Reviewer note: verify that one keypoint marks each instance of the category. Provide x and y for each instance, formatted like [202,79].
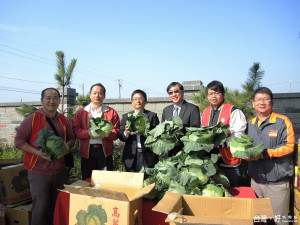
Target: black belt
[139,150]
[95,145]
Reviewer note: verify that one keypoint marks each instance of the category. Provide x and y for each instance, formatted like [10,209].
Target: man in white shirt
[96,153]
[220,111]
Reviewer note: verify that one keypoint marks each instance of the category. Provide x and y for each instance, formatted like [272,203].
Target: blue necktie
[175,111]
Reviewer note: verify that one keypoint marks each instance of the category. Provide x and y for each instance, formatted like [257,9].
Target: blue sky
[147,44]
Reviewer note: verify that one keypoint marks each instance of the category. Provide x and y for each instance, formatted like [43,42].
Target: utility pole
[82,89]
[290,86]
[119,82]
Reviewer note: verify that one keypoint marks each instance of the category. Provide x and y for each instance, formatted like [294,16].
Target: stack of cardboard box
[15,193]
[297,185]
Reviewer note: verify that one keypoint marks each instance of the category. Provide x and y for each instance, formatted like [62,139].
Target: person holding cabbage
[133,131]
[272,170]
[45,137]
[96,126]
[221,111]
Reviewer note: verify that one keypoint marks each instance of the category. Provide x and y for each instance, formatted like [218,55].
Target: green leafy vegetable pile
[138,123]
[100,127]
[243,147]
[95,215]
[48,142]
[193,170]
[204,138]
[194,174]
[164,136]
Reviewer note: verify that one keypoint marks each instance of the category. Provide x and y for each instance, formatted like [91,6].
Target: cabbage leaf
[100,128]
[242,147]
[204,138]
[138,123]
[52,145]
[165,136]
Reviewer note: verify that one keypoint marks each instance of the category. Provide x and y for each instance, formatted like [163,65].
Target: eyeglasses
[262,100]
[214,94]
[173,92]
[48,98]
[137,99]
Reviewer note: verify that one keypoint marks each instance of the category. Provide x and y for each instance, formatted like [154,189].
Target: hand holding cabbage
[138,123]
[243,147]
[100,128]
[52,145]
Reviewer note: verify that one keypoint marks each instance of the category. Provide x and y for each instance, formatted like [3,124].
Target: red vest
[38,123]
[224,116]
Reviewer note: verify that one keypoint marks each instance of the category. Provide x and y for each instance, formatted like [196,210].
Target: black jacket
[130,147]
[189,114]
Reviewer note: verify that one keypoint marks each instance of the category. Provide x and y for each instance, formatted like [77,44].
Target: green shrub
[9,152]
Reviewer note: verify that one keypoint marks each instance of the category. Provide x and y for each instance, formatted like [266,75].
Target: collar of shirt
[179,106]
[219,107]
[93,111]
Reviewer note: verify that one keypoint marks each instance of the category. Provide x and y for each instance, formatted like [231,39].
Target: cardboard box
[296,172]
[297,198]
[117,201]
[214,210]
[19,215]
[297,152]
[2,214]
[296,217]
[14,184]
[8,162]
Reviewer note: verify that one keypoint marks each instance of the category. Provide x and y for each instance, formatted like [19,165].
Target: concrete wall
[289,104]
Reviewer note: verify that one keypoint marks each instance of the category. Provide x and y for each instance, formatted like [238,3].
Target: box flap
[12,166]
[207,220]
[100,193]
[143,191]
[262,206]
[117,178]
[6,162]
[81,183]
[169,203]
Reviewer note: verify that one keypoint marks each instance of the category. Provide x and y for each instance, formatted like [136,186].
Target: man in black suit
[135,154]
[189,113]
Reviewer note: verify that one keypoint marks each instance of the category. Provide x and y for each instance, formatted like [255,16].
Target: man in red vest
[220,111]
[45,176]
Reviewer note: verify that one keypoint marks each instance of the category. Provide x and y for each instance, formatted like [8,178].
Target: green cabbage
[204,138]
[48,142]
[243,147]
[211,190]
[138,123]
[100,128]
[164,136]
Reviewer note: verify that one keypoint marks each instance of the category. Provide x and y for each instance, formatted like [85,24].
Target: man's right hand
[127,130]
[43,155]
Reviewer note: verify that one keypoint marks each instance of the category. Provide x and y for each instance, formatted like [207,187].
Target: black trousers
[96,161]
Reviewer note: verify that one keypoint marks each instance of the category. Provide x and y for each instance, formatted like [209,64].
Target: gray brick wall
[289,104]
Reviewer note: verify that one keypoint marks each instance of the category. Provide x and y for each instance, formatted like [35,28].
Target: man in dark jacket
[187,112]
[271,171]
[135,154]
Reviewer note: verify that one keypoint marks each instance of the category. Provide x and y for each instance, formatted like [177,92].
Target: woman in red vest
[220,111]
[45,176]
